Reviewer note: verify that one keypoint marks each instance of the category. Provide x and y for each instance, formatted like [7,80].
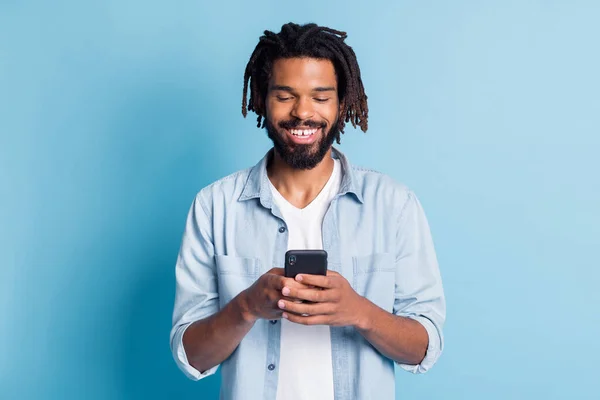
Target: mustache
[292,124]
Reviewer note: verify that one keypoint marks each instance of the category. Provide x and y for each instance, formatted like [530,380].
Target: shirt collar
[257,184]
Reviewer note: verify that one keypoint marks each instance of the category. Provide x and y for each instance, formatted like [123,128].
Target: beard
[301,156]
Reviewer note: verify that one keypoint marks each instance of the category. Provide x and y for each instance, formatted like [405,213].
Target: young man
[313,337]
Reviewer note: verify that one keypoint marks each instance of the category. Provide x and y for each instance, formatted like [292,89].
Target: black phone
[313,262]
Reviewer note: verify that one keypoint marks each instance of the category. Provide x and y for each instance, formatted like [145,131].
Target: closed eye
[322,100]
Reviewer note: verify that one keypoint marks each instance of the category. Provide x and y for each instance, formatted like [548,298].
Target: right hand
[260,300]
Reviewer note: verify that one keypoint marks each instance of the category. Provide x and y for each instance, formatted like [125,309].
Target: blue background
[114,114]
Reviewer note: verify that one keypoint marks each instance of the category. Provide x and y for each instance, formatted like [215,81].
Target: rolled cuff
[434,348]
[181,358]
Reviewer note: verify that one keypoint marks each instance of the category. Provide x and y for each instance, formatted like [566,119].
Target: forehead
[303,73]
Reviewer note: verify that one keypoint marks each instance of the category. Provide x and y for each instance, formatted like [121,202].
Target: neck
[299,186]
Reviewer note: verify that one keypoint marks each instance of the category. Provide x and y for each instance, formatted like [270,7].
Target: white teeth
[303,132]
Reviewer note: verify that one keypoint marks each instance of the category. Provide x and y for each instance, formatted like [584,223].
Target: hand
[333,301]
[259,301]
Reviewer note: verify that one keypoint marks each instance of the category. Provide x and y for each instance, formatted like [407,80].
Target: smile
[303,135]
[303,132]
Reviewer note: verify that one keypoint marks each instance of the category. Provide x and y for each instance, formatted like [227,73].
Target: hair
[310,41]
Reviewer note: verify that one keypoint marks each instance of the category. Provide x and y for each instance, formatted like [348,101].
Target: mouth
[303,135]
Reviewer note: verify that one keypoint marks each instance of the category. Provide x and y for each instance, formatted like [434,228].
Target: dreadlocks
[312,41]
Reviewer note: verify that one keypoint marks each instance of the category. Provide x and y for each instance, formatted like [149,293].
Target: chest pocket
[374,278]
[235,274]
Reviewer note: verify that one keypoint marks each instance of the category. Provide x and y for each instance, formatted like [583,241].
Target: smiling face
[302,110]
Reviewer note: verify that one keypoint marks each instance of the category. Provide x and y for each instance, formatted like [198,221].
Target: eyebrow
[291,90]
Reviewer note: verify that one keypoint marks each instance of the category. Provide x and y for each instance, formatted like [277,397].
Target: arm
[196,292]
[419,295]
[401,339]
[211,341]
[203,335]
[412,334]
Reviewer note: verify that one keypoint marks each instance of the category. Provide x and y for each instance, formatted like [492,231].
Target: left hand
[332,301]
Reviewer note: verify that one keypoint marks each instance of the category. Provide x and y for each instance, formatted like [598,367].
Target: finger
[294,283]
[305,308]
[315,295]
[278,282]
[325,282]
[310,320]
[291,283]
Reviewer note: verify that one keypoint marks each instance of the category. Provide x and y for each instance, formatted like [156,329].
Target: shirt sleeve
[419,293]
[196,293]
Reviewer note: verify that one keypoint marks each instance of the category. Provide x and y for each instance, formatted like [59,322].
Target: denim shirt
[376,235]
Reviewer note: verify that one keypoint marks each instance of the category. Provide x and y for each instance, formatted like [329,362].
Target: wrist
[243,308]
[364,316]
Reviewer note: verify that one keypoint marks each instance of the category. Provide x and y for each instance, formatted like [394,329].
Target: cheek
[330,113]
[277,111]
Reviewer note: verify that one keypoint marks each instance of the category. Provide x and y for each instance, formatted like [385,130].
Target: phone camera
[292,260]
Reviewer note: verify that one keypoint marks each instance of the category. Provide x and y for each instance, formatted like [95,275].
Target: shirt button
[282,229]
[271,367]
[273,321]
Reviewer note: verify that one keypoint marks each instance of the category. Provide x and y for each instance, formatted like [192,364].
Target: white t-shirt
[305,362]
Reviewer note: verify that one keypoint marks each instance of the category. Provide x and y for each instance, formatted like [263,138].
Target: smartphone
[313,262]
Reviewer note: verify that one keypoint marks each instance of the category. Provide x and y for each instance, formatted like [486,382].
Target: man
[313,337]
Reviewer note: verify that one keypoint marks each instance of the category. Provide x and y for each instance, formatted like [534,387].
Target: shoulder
[226,188]
[375,184]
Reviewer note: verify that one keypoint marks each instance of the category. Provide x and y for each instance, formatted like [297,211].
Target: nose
[303,109]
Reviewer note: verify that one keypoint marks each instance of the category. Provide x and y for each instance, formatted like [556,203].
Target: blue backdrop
[114,114]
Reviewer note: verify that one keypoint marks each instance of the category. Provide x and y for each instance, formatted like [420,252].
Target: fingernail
[281,304]
[284,315]
[285,291]
[299,278]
